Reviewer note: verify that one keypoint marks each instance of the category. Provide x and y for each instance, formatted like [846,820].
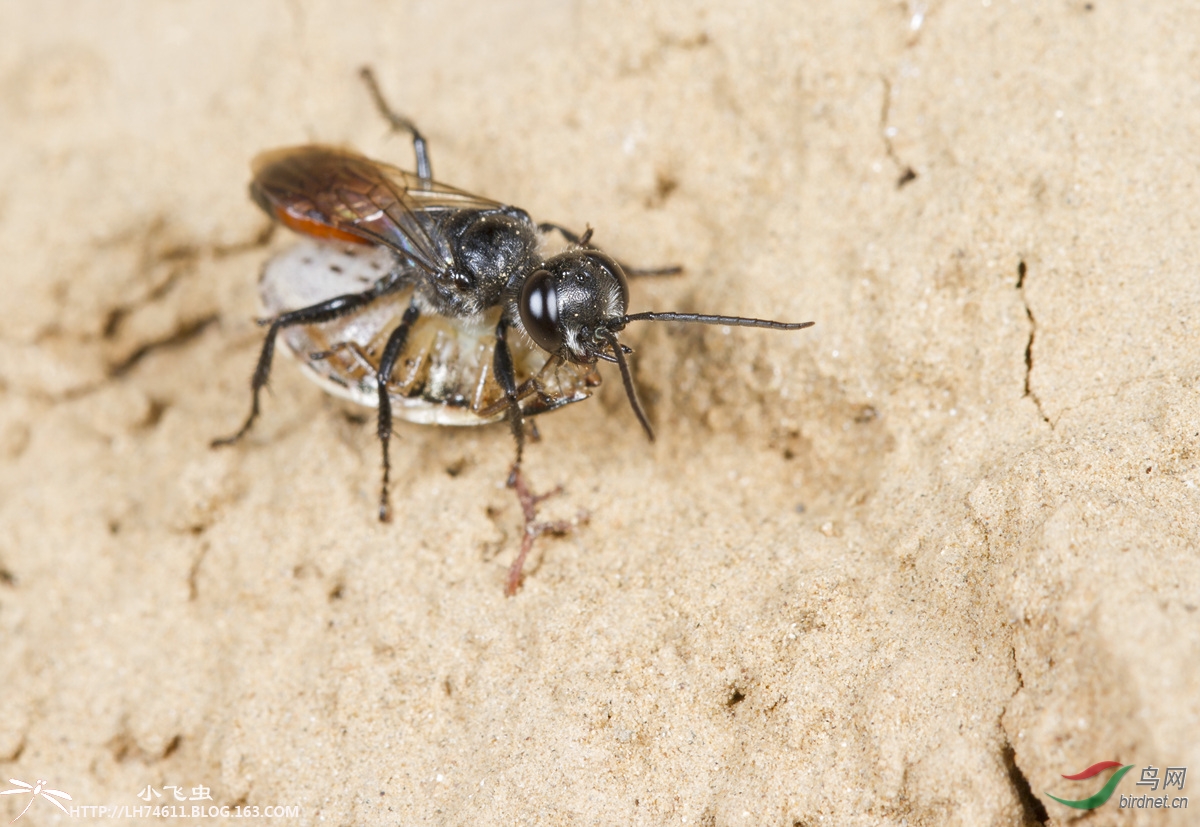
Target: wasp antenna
[619,354]
[610,358]
[733,321]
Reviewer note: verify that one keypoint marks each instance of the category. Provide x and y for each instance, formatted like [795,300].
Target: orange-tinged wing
[336,194]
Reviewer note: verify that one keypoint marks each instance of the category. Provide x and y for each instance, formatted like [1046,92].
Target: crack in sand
[180,336]
[1033,811]
[907,173]
[1021,270]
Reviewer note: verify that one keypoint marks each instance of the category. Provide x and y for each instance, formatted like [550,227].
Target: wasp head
[573,305]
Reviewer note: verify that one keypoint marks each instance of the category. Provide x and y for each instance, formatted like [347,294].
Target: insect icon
[438,306]
[33,791]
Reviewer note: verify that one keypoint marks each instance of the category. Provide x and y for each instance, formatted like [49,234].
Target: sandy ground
[907,567]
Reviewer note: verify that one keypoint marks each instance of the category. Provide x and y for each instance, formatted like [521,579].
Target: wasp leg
[323,312]
[391,352]
[569,235]
[524,391]
[502,366]
[582,241]
[400,124]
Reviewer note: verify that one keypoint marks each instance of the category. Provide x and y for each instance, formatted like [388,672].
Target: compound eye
[539,310]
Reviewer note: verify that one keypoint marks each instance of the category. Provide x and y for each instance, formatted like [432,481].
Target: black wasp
[436,305]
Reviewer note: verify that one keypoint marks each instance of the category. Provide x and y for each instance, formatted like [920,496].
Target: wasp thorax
[569,299]
[491,247]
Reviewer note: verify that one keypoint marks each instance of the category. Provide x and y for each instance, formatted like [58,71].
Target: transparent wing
[333,193]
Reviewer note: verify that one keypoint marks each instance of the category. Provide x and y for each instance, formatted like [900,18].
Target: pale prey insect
[436,305]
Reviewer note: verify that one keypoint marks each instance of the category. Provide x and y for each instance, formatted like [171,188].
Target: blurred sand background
[907,567]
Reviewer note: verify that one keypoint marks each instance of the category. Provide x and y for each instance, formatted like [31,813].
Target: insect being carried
[436,305]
